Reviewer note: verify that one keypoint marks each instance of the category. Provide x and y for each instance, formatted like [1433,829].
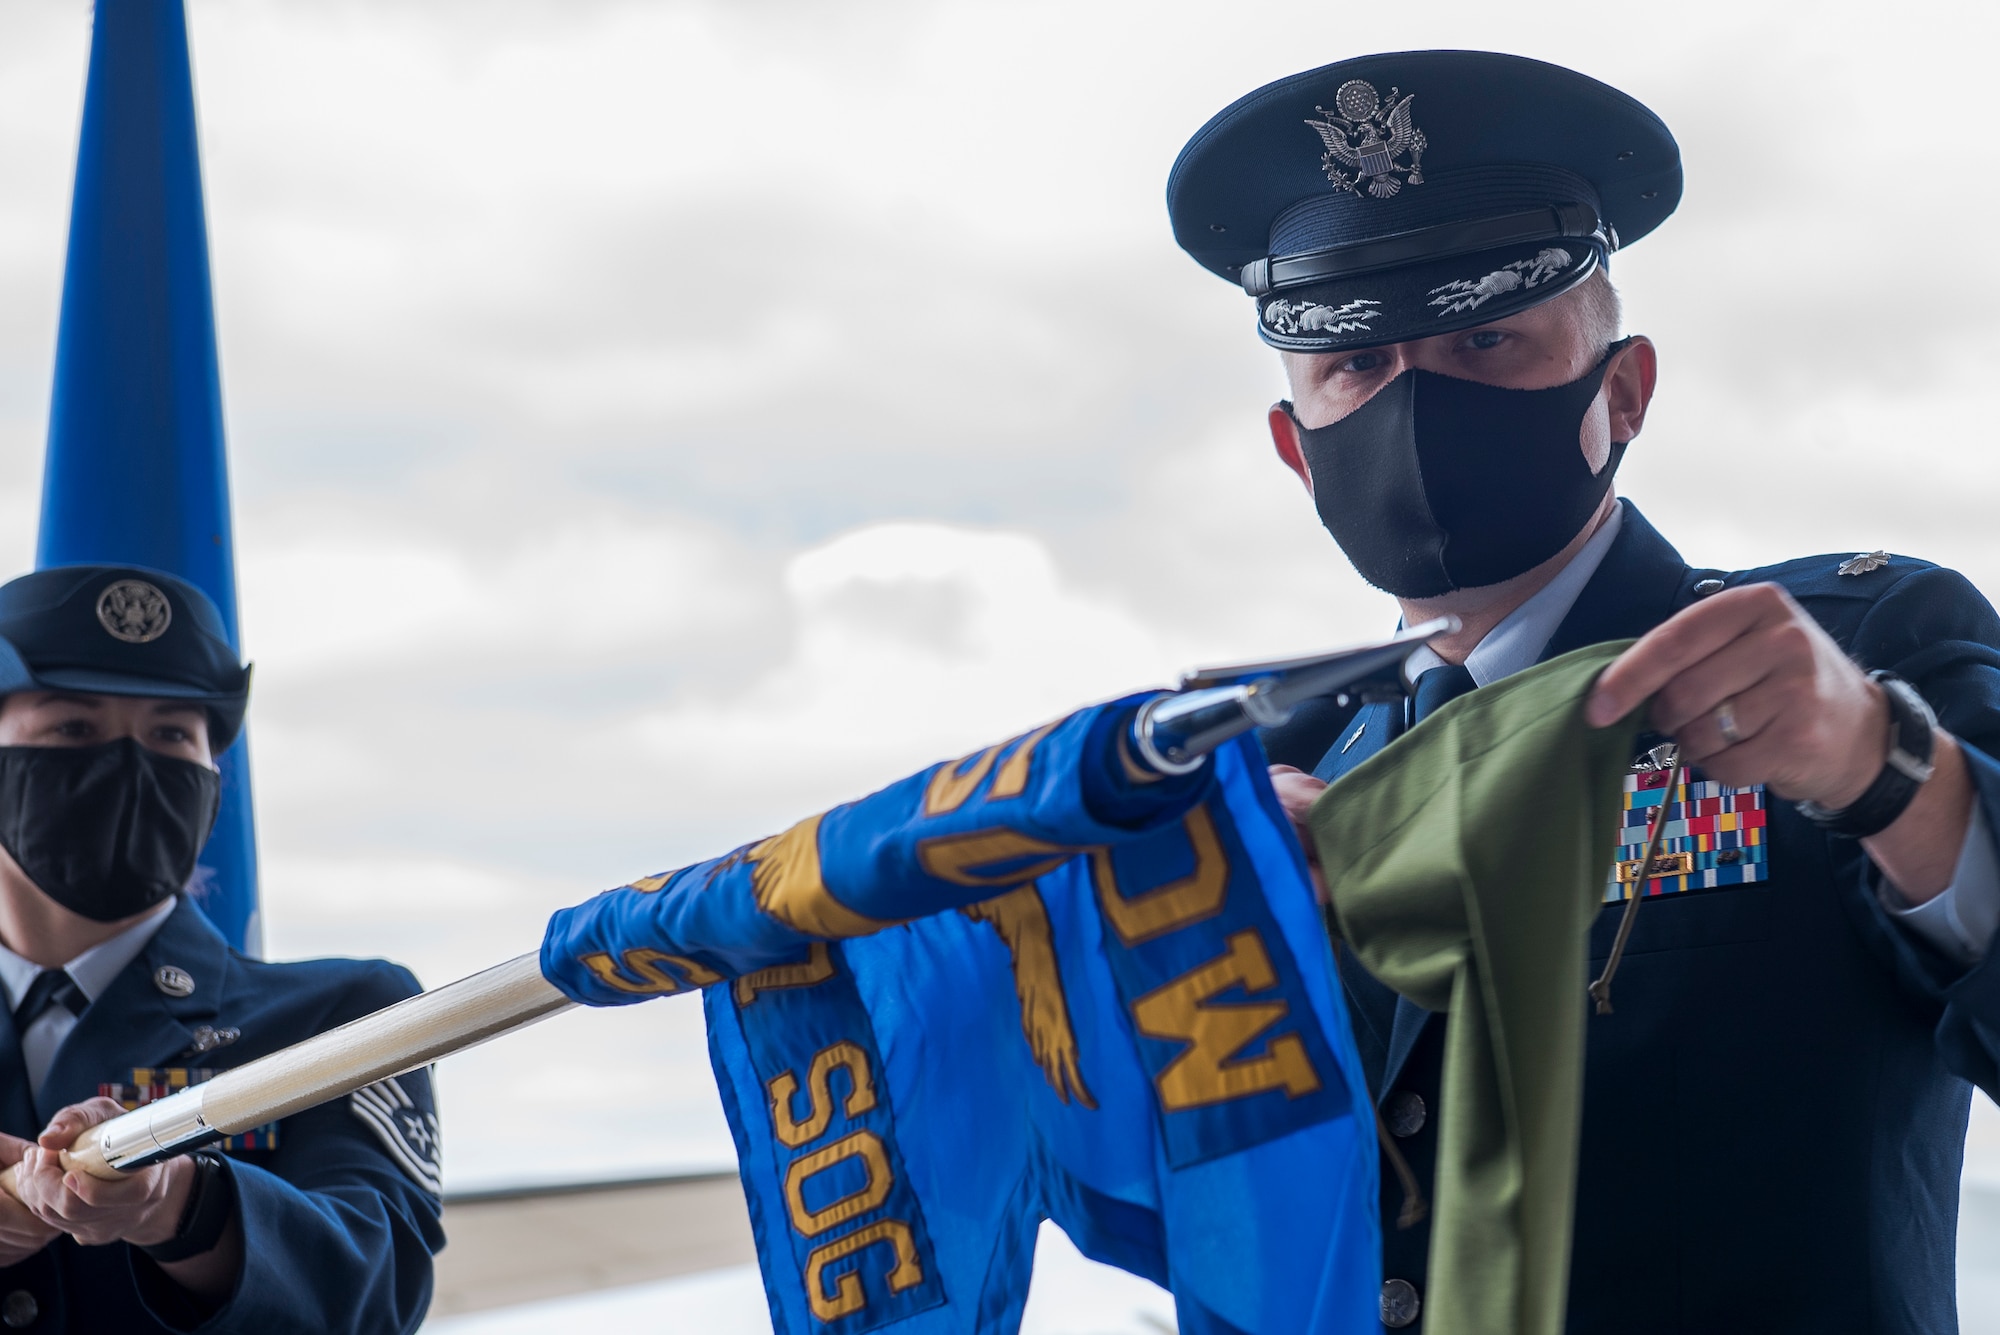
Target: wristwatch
[210,1203]
[1912,747]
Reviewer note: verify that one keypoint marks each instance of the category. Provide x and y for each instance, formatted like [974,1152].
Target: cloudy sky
[653,421]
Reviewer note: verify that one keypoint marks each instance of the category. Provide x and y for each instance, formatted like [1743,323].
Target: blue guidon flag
[1029,984]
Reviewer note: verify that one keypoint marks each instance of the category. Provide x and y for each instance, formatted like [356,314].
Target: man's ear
[1285,436]
[1628,386]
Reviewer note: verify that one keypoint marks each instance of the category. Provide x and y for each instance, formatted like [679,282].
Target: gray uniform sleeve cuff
[1959,923]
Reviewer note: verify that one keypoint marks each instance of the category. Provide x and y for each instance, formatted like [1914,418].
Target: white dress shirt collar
[94,970]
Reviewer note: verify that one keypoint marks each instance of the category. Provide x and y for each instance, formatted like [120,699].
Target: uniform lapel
[1404,1031]
[1640,583]
[134,1023]
[1365,734]
[1372,1006]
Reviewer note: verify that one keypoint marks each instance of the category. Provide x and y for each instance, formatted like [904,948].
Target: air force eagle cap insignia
[134,610]
[1393,197]
[1372,147]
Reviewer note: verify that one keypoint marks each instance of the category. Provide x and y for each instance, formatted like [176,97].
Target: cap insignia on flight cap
[1367,138]
[134,611]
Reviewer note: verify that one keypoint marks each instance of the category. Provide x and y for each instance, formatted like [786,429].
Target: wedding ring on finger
[1725,720]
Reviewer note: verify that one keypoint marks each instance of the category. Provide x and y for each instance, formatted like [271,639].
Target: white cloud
[317,602]
[912,642]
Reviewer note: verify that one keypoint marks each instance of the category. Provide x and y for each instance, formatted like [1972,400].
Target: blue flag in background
[137,473]
[1033,983]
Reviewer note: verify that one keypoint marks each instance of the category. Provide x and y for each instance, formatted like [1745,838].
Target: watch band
[210,1204]
[1912,747]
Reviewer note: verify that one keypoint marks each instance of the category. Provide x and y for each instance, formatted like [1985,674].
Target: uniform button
[19,1309]
[1404,1113]
[1400,1303]
[1705,587]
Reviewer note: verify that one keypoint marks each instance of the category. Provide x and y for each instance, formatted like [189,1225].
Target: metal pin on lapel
[207,1037]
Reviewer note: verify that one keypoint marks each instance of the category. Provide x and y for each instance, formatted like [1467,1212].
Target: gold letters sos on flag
[820,1150]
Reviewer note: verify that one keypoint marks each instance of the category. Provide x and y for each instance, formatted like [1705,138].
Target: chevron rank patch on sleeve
[408,1132]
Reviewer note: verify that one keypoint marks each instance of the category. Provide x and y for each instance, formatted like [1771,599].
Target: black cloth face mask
[1438,483]
[105,831]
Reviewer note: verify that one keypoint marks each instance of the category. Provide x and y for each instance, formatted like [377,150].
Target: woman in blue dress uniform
[117,690]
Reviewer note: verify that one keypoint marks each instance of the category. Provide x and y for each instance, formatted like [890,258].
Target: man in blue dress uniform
[119,691]
[1774,1116]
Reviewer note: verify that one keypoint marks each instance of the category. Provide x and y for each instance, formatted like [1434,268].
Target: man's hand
[1755,692]
[142,1207]
[1805,720]
[1296,792]
[22,1233]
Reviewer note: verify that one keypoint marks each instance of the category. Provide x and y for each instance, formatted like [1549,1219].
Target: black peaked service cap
[121,630]
[1393,197]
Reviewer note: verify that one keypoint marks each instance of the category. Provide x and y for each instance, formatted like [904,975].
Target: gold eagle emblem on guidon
[1367,138]
[789,885]
[1022,920]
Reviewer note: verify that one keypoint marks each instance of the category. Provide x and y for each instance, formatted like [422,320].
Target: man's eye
[1361,362]
[75,727]
[1484,339]
[172,734]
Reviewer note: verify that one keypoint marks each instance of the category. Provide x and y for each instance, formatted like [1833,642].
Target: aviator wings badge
[1367,139]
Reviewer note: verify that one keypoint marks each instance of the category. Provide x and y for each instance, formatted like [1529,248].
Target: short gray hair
[1599,311]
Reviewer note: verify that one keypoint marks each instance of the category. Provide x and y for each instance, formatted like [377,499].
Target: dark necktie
[52,987]
[1436,687]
